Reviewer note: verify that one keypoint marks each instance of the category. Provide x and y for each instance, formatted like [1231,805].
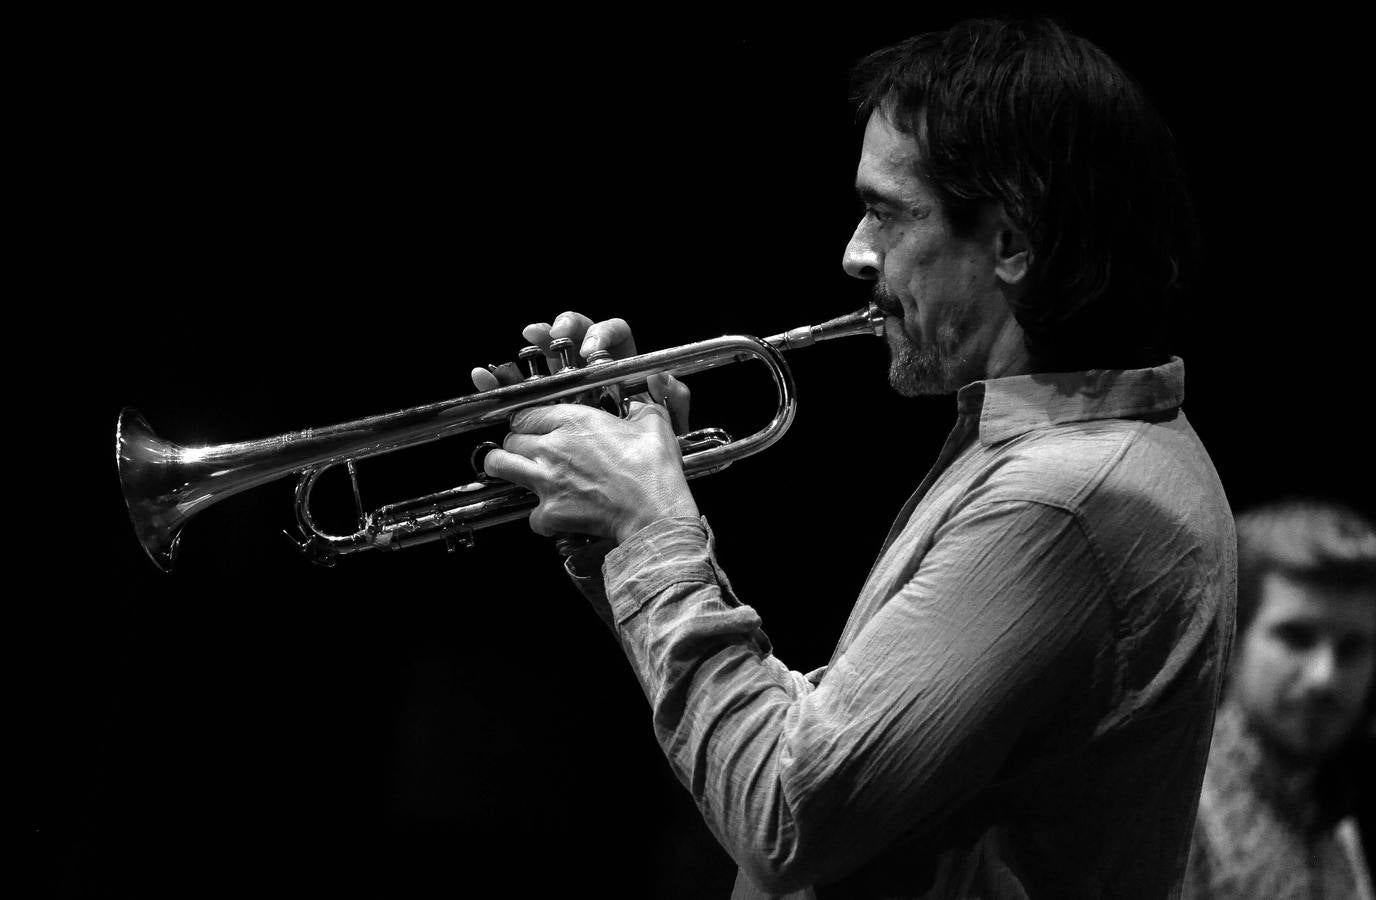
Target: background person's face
[1304,666]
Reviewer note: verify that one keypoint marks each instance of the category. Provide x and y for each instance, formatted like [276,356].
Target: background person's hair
[1308,539]
[1025,114]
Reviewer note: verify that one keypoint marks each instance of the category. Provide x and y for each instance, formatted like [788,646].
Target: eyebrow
[872,196]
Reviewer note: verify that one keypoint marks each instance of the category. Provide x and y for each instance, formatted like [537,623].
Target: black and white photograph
[917,452]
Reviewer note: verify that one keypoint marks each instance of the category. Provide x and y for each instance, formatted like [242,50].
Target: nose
[1321,668]
[862,258]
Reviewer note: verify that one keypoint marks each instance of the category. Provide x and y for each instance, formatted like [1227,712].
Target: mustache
[1325,704]
[886,301]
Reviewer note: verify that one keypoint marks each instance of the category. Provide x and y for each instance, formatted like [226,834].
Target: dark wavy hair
[1025,114]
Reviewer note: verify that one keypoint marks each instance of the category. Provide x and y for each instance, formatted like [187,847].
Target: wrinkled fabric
[1020,703]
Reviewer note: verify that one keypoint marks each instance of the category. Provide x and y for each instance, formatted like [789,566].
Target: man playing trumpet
[1020,704]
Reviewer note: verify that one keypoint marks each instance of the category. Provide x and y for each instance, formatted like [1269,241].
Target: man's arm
[1001,619]
[803,786]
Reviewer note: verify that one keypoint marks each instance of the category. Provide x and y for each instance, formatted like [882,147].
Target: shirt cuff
[666,552]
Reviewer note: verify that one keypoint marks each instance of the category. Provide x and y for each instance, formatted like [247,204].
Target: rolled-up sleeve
[802,784]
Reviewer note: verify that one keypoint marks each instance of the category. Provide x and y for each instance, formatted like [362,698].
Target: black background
[253,225]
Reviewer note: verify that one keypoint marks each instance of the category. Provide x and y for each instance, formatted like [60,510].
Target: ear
[1012,254]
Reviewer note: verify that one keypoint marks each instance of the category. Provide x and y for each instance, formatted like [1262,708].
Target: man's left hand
[595,473]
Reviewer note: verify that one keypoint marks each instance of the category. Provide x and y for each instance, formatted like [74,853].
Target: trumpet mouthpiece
[869,320]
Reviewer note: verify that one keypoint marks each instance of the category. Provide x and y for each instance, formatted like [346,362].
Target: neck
[1008,352]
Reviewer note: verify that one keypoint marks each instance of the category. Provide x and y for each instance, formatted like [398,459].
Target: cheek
[1263,672]
[1361,680]
[934,280]
[911,258]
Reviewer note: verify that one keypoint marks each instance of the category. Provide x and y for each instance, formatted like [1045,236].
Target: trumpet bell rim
[146,464]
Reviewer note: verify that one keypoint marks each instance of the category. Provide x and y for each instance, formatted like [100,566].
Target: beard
[1308,734]
[933,363]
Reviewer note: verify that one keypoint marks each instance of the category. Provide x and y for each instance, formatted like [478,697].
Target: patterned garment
[1021,702]
[1260,834]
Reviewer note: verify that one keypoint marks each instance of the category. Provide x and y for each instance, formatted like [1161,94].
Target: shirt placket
[967,425]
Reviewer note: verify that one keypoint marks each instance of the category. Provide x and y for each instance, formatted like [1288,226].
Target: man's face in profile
[939,289]
[1304,666]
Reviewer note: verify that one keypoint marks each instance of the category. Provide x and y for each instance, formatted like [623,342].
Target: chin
[938,360]
[916,371]
[907,384]
[1311,743]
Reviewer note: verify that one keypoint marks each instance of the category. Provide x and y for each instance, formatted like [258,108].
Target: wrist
[685,508]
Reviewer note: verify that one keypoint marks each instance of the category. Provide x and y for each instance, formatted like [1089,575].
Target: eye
[877,215]
[1295,636]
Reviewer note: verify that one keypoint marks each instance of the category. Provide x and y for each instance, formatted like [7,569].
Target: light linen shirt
[1021,702]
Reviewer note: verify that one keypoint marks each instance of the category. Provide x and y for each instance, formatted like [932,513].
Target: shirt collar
[1012,406]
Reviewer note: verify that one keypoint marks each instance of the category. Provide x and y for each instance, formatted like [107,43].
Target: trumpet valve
[609,397]
[563,347]
[531,356]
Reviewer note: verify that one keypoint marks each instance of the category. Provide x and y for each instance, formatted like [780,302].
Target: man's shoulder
[1119,477]
[1068,464]
[1062,465]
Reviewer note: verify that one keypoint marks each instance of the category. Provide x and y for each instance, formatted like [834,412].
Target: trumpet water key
[166,484]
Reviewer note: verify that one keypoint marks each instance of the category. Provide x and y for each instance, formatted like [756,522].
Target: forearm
[720,700]
[803,785]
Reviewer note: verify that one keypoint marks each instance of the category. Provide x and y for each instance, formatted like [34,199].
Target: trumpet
[165,484]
